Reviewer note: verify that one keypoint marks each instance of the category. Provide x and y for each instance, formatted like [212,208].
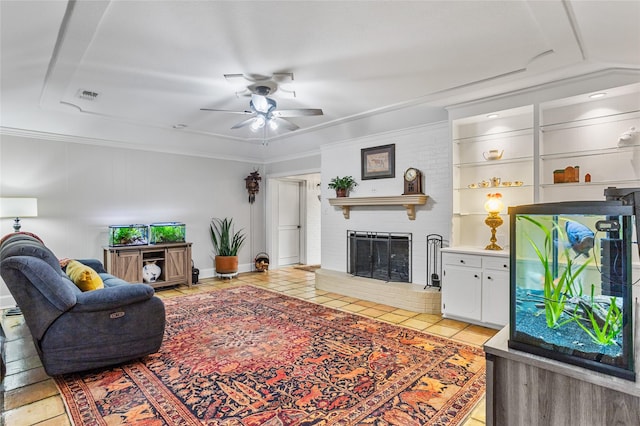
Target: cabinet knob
[489,277]
[461,261]
[505,266]
[476,276]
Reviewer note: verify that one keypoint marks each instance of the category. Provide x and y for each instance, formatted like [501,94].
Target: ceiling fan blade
[226,110]
[297,112]
[285,124]
[244,123]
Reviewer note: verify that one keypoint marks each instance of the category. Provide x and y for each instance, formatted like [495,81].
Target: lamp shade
[18,207]
[494,203]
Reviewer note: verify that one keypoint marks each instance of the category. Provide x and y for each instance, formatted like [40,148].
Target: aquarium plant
[121,235]
[555,291]
[171,232]
[605,325]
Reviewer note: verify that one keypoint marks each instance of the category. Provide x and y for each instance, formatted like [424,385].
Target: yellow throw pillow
[84,277]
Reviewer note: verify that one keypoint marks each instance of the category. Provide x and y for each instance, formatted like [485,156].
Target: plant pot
[226,264]
[342,192]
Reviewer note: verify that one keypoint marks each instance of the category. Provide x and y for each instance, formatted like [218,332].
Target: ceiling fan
[264,112]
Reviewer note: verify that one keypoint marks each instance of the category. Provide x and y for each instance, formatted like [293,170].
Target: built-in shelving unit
[534,141]
[584,132]
[409,202]
[512,175]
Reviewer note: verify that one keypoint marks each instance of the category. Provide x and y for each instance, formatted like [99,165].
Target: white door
[495,297]
[288,223]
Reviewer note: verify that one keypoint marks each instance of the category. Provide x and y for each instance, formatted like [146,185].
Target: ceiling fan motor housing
[263,88]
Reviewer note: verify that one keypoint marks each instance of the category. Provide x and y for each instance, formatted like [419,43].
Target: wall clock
[412,181]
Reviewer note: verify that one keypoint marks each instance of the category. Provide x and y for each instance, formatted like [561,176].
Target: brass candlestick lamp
[493,206]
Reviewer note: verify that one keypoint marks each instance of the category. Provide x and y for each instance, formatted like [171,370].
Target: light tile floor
[29,397]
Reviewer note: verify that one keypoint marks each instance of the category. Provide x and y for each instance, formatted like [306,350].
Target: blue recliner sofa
[73,330]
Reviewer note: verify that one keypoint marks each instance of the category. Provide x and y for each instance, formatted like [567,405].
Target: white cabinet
[475,286]
[495,290]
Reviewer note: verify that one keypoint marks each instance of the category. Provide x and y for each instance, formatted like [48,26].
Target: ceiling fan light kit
[263,108]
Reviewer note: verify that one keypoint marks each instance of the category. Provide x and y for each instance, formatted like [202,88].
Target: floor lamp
[16,208]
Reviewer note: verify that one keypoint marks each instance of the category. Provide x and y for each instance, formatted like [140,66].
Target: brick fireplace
[379,270]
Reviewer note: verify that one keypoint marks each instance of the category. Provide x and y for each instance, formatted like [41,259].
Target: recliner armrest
[112,297]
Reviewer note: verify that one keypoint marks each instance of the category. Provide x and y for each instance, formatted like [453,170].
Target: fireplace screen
[379,255]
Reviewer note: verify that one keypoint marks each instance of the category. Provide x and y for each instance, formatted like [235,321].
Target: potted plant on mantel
[343,185]
[226,245]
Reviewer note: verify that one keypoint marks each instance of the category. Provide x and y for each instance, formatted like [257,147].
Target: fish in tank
[128,235]
[571,284]
[167,232]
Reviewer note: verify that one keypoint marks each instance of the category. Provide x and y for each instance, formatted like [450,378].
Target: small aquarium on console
[167,232]
[571,283]
[127,235]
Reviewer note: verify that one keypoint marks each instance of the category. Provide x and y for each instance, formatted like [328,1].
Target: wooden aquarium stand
[174,259]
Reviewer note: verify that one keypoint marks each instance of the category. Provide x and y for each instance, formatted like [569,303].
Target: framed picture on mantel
[378,162]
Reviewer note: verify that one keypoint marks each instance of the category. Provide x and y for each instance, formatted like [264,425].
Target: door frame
[271,215]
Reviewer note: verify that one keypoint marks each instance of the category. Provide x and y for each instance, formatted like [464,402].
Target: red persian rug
[247,356]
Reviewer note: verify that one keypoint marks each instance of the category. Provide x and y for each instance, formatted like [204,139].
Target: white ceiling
[154,64]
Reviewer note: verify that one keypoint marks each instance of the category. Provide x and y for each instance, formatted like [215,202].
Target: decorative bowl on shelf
[484,184]
[517,183]
[506,183]
[473,185]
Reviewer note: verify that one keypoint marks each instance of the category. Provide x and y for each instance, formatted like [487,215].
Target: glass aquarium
[167,232]
[128,235]
[571,284]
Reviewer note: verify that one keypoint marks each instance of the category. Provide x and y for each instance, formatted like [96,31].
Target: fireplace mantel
[409,202]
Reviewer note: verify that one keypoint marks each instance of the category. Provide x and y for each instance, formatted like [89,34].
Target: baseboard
[211,272]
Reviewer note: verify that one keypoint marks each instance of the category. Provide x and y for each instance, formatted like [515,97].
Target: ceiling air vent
[87,95]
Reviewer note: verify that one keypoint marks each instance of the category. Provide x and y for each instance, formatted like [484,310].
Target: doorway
[294,216]
[288,220]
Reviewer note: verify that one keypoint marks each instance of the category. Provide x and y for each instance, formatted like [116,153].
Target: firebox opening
[380,255]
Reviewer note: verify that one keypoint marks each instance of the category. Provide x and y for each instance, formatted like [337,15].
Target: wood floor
[29,397]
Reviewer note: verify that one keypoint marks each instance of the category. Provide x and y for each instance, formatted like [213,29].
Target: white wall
[82,189]
[313,220]
[427,148]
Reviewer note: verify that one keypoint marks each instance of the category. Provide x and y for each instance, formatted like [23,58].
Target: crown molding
[59,137]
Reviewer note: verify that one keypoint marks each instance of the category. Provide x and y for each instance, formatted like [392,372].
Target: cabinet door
[495,297]
[461,292]
[128,266]
[176,267]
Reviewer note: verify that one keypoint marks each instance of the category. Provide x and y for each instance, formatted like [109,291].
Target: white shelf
[494,188]
[488,137]
[590,121]
[494,163]
[591,152]
[592,183]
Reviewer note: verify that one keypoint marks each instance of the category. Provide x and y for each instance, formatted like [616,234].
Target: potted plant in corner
[343,185]
[226,244]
